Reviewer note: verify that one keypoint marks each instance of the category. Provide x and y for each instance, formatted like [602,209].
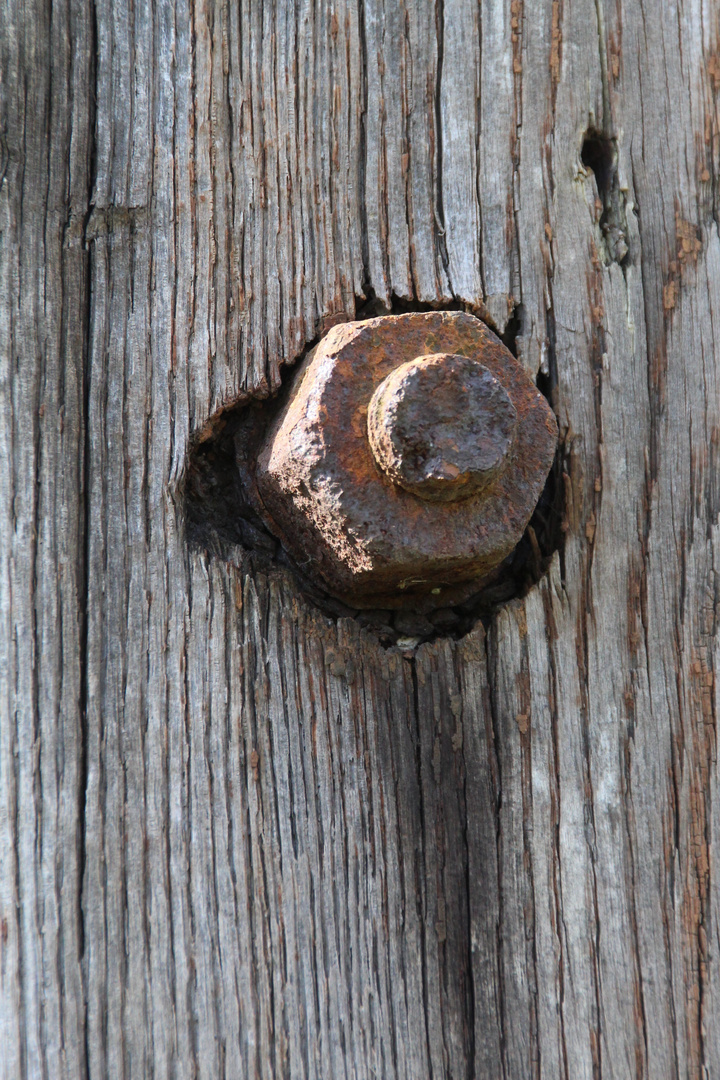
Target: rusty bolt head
[441,426]
[407,460]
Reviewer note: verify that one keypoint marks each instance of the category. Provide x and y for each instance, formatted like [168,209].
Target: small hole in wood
[599,154]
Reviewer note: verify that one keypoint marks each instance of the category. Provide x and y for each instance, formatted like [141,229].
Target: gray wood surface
[238,839]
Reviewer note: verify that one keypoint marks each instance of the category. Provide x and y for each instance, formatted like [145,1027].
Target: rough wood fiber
[235,839]
[46,63]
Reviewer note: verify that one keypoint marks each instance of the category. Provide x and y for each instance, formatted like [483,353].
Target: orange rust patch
[669,295]
[516,14]
[688,246]
[555,42]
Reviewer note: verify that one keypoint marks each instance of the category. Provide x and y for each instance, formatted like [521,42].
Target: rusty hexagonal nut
[407,461]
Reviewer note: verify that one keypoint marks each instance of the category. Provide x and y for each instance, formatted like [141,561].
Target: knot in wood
[442,426]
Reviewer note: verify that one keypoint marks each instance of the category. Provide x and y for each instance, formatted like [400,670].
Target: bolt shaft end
[442,427]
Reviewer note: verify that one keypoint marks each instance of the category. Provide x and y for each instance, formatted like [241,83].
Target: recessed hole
[599,154]
[221,519]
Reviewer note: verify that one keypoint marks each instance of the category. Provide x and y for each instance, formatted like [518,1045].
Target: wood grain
[238,839]
[46,81]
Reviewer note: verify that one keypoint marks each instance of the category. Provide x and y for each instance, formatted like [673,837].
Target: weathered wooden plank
[237,838]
